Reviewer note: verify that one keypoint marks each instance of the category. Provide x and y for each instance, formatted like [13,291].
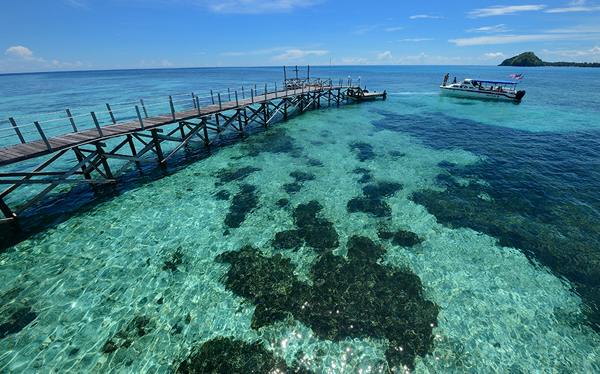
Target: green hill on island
[530,59]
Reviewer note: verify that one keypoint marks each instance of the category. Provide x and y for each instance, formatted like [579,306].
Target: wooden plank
[65,141]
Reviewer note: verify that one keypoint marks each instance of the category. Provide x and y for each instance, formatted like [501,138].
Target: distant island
[530,59]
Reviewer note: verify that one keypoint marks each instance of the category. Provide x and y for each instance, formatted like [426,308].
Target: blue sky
[53,35]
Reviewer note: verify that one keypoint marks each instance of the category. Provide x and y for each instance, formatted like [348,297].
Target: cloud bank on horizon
[117,34]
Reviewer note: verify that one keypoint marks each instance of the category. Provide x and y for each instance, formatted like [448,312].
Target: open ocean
[420,233]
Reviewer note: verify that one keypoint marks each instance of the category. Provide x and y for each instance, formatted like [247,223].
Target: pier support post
[97,124]
[206,142]
[157,147]
[72,120]
[80,159]
[140,117]
[39,129]
[8,213]
[172,108]
[14,124]
[100,151]
[111,114]
[144,108]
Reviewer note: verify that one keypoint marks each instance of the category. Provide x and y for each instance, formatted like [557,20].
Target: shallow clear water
[504,198]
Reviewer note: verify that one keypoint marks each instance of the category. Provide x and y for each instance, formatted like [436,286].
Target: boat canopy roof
[494,82]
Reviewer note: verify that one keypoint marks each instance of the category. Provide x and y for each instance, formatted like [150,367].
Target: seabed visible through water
[311,247]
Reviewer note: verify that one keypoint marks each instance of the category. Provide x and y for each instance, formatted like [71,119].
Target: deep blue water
[479,218]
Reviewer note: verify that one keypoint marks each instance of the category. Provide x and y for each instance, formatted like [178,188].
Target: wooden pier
[138,138]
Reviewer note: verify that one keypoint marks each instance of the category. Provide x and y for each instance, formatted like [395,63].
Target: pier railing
[43,126]
[107,139]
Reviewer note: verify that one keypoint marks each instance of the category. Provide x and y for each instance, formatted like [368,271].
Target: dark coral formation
[401,237]
[300,177]
[318,233]
[224,355]
[230,175]
[314,162]
[365,151]
[242,203]
[539,192]
[138,327]
[222,195]
[366,175]
[275,140]
[174,261]
[373,202]
[15,317]
[354,297]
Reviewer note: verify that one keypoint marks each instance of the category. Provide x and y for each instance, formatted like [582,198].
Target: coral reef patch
[355,297]
[300,177]
[231,175]
[225,355]
[318,233]
[242,204]
[137,327]
[372,201]
[14,317]
[365,151]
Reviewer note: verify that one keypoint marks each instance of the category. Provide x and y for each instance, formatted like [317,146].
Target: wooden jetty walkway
[139,137]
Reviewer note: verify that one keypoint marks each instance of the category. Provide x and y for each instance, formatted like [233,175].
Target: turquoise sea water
[421,233]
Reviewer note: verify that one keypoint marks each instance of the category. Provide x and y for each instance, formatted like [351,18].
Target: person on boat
[454,80]
[446,79]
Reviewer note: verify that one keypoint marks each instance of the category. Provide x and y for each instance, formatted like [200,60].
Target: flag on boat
[516,76]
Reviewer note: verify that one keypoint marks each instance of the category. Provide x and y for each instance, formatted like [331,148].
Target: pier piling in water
[202,120]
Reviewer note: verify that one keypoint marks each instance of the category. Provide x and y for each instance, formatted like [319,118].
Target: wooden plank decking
[20,152]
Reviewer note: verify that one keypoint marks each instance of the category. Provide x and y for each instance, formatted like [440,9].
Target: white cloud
[20,52]
[424,16]
[363,29]
[414,40]
[574,9]
[77,3]
[354,61]
[254,6]
[488,56]
[394,28]
[508,39]
[591,53]
[385,55]
[500,10]
[490,29]
[296,54]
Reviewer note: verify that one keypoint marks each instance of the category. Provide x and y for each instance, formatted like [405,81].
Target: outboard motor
[520,95]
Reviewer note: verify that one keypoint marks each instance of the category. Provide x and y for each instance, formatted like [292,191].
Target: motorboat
[359,94]
[484,89]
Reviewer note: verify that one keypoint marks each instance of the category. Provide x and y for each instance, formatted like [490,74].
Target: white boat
[484,89]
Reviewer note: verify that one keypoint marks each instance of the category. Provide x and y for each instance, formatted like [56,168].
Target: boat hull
[482,94]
